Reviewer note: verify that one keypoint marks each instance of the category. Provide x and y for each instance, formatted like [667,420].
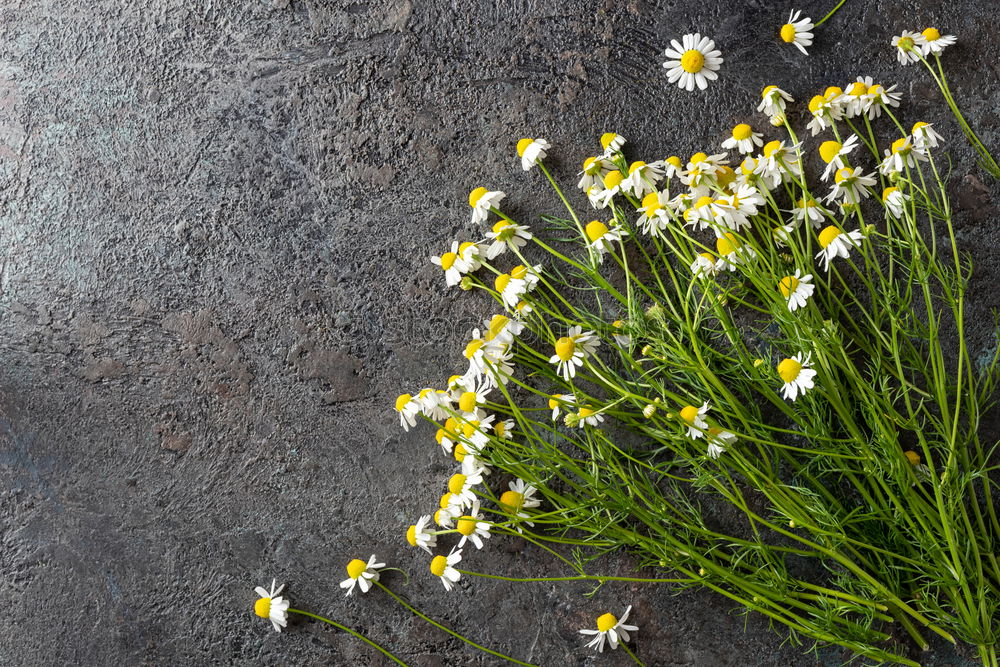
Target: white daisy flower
[743,139]
[694,418]
[594,171]
[798,32]
[718,441]
[935,42]
[855,100]
[924,136]
[780,160]
[613,185]
[705,265]
[743,201]
[880,98]
[811,210]
[851,185]
[908,47]
[443,567]
[469,401]
[521,496]
[504,429]
[895,201]
[672,166]
[509,289]
[824,111]
[655,216]
[531,152]
[732,252]
[434,403]
[460,486]
[692,62]
[558,402]
[602,237]
[506,235]
[834,152]
[642,178]
[408,409]
[703,214]
[611,143]
[588,415]
[418,534]
[773,101]
[475,433]
[572,350]
[448,435]
[472,529]
[702,168]
[797,374]
[610,629]
[621,339]
[271,606]
[449,509]
[482,200]
[453,264]
[361,574]
[501,329]
[901,155]
[835,243]
[796,289]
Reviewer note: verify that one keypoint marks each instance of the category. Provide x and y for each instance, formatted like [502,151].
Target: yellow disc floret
[828,235]
[476,195]
[586,412]
[788,33]
[912,457]
[816,103]
[438,564]
[843,174]
[613,179]
[829,149]
[262,607]
[651,203]
[356,568]
[512,500]
[727,243]
[522,146]
[606,622]
[596,229]
[467,401]
[689,413]
[638,164]
[771,147]
[411,535]
[931,34]
[500,282]
[888,192]
[789,369]
[692,61]
[460,452]
[565,348]
[606,139]
[402,401]
[788,285]
[466,525]
[456,483]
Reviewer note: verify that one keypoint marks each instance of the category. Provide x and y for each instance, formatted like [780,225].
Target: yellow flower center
[606,622]
[512,500]
[832,92]
[519,272]
[931,34]
[262,607]
[460,452]
[876,89]
[439,435]
[411,535]
[606,139]
[466,525]
[456,483]
[651,203]
[788,33]
[448,260]
[565,347]
[858,88]
[698,157]
[807,204]
[727,243]
[497,324]
[475,196]
[473,347]
[689,413]
[402,401]
[638,164]
[919,125]
[692,61]
[591,166]
[613,179]
[445,500]
[767,91]
[888,192]
[829,149]
[900,145]
[789,369]
[596,229]
[843,174]
[498,227]
[748,165]
[703,201]
[500,429]
[905,43]
[708,256]
[467,401]
[675,161]
[356,568]
[470,427]
[617,324]
[501,282]
[522,146]
[586,412]
[816,102]
[554,401]
[827,236]
[787,285]
[438,564]
[912,457]
[725,176]
[771,147]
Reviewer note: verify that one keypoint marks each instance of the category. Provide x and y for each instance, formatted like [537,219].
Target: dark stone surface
[215,231]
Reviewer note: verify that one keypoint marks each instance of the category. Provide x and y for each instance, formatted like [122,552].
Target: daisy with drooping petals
[443,567]
[851,185]
[796,289]
[602,237]
[454,264]
[472,529]
[482,200]
[797,374]
[924,136]
[610,629]
[642,178]
[901,155]
[557,402]
[654,213]
[811,210]
[834,152]
[908,47]
[509,288]
[506,235]
[449,509]
[572,350]
[521,496]
[408,408]
[798,32]
[594,171]
[732,252]
[531,152]
[835,243]
[461,486]
[880,98]
[589,416]
[672,166]
[824,111]
[718,441]
[361,574]
[702,168]
[705,265]
[935,42]
[417,535]
[613,184]
[780,162]
[773,101]
[694,418]
[693,62]
[894,201]
[743,139]
[612,143]
[272,606]
[447,436]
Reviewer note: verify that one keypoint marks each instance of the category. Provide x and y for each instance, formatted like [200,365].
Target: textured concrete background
[215,229]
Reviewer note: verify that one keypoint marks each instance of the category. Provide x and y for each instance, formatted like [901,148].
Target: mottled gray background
[215,227]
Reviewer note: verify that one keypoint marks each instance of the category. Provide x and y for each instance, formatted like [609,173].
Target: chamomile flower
[672,166]
[703,214]
[744,200]
[588,415]
[408,409]
[443,567]
[835,243]
[880,97]
[504,429]
[855,100]
[602,237]
[694,418]
[272,606]
[434,403]
[705,265]
[612,143]
[460,486]
[798,32]
[449,509]
[613,185]
[506,235]
[655,216]
[361,574]
[901,155]
[908,47]
[453,265]
[571,351]
[418,535]
[732,252]
[621,339]
[718,441]
[693,62]
[834,152]
[610,629]
[482,200]
[501,329]
[509,289]
[894,201]
[796,289]
[558,402]
[470,401]
[809,209]
[521,496]
[780,161]
[472,529]
[773,101]
[743,139]
[701,168]
[851,185]
[797,375]
[824,111]
[594,171]
[642,178]
[448,435]
[935,42]
[531,152]
[924,136]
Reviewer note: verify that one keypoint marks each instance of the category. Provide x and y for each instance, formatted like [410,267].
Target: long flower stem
[348,630]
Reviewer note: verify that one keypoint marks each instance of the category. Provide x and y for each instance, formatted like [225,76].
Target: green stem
[832,12]
[351,632]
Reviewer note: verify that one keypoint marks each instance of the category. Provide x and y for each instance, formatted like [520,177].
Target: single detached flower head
[743,139]
[361,574]
[935,42]
[908,47]
[408,407]
[797,375]
[694,418]
[693,62]
[443,567]
[531,152]
[835,243]
[571,350]
[796,289]
[924,136]
[612,143]
[271,606]
[418,535]
[482,200]
[610,629]
[798,32]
